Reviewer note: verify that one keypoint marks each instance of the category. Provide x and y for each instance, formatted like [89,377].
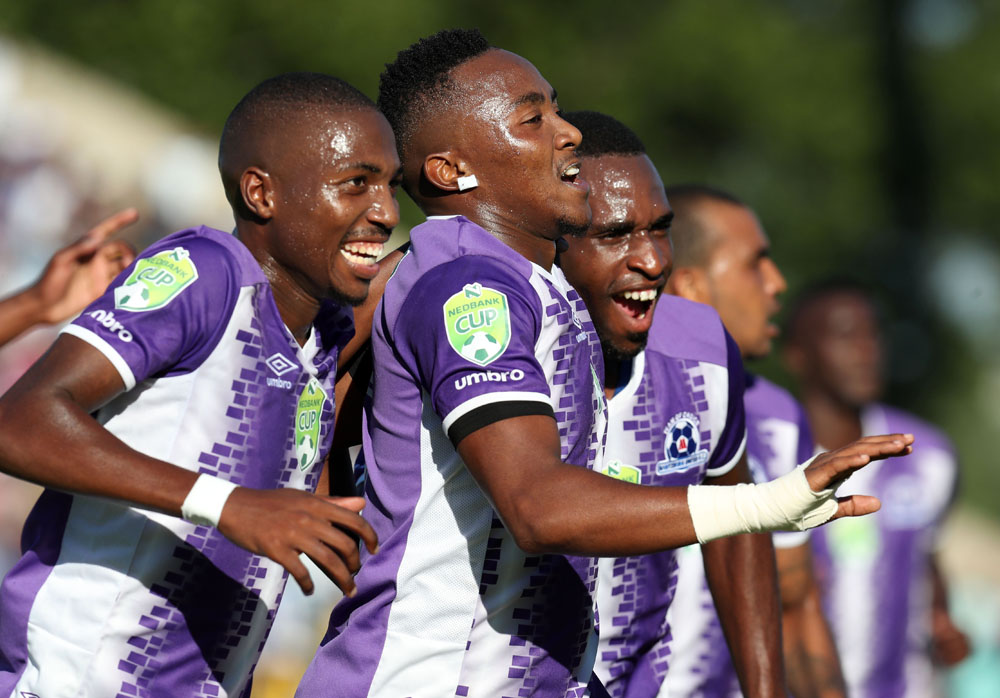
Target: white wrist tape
[784,504]
[203,504]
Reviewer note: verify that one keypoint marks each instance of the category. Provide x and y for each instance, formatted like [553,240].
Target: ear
[257,191]
[443,170]
[690,283]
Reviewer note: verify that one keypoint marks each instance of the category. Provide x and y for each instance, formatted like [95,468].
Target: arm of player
[949,644]
[822,675]
[742,577]
[47,436]
[551,506]
[74,276]
[811,659]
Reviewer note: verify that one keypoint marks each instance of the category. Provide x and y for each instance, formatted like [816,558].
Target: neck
[296,307]
[834,424]
[613,368]
[536,246]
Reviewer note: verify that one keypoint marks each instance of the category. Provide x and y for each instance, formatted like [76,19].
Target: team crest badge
[307,423]
[681,450]
[620,471]
[477,320]
[156,280]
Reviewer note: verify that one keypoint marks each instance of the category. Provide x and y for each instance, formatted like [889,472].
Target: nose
[568,136]
[776,284]
[649,256]
[384,209]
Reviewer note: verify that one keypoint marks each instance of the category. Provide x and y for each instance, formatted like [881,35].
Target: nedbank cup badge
[477,320]
[681,441]
[307,423]
[156,280]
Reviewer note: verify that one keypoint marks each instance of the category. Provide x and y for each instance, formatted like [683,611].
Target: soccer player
[881,583]
[153,560]
[722,258]
[488,410]
[675,417]
[74,276]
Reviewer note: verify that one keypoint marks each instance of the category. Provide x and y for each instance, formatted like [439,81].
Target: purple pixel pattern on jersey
[203,597]
[686,338]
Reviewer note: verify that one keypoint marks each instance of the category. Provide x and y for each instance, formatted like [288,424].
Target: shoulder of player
[442,240]
[683,329]
[210,249]
[888,419]
[768,400]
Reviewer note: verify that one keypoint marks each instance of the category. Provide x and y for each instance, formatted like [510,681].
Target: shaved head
[693,237]
[261,127]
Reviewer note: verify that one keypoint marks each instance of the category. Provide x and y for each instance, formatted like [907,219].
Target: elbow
[537,527]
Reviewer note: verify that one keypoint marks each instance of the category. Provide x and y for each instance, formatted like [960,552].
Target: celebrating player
[721,257]
[884,592]
[210,365]
[675,417]
[488,411]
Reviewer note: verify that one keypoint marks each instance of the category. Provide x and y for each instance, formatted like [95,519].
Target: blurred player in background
[675,417]
[722,258]
[882,586]
[156,557]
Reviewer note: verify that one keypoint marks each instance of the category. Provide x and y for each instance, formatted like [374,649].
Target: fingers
[338,562]
[111,225]
[830,469]
[342,513]
[299,572]
[856,505]
[118,254]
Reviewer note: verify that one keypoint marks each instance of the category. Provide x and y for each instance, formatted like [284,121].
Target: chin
[351,298]
[623,349]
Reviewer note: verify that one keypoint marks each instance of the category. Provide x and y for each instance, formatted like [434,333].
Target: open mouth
[637,304]
[362,253]
[571,176]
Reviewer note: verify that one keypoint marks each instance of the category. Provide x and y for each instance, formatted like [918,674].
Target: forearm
[74,453]
[19,313]
[742,577]
[822,663]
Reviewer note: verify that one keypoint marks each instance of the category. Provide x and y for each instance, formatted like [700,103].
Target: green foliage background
[864,132]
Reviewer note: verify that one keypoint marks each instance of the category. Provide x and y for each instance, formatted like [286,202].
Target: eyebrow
[534,98]
[663,221]
[366,166]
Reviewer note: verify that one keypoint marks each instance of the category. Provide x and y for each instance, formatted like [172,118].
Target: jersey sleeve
[165,313]
[733,440]
[471,326]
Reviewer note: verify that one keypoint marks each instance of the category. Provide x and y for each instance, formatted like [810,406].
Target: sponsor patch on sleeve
[156,280]
[477,320]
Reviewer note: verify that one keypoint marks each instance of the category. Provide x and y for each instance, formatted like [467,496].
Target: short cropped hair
[272,101]
[604,135]
[417,80]
[693,241]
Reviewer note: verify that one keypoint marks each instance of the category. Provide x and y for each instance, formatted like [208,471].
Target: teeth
[366,249]
[571,171]
[641,316]
[357,259]
[647,295]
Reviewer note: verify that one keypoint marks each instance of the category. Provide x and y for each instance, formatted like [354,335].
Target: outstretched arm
[47,436]
[742,577]
[551,506]
[74,276]
[949,644]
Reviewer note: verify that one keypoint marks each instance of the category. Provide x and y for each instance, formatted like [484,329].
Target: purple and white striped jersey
[778,439]
[874,571]
[679,419]
[468,333]
[113,600]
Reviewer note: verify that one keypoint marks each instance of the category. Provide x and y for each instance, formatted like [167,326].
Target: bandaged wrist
[203,504]
[784,504]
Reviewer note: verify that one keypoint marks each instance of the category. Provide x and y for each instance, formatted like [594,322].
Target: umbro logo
[279,365]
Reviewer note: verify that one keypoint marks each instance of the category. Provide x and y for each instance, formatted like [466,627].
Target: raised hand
[80,272]
[281,524]
[829,470]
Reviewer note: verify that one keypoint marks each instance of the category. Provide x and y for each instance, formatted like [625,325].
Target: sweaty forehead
[346,135]
[501,78]
[624,188]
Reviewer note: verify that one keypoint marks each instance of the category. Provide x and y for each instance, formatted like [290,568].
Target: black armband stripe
[495,412]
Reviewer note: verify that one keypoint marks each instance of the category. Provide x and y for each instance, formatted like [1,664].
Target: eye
[536,119]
